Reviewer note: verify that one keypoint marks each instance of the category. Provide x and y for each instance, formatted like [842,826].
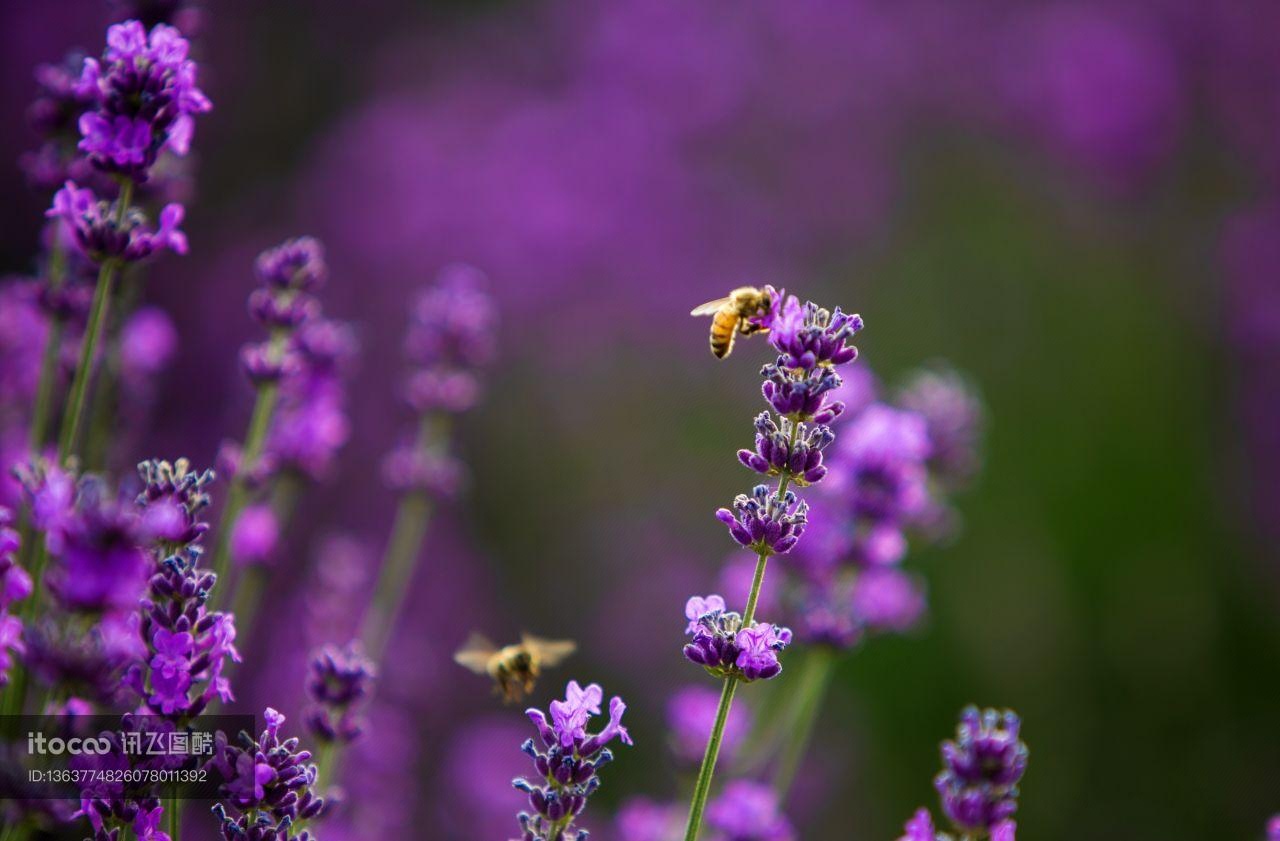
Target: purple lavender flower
[409,468]
[748,811]
[267,786]
[802,399]
[691,712]
[641,819]
[978,785]
[15,583]
[10,643]
[1273,828]
[87,662]
[310,423]
[881,457]
[172,500]
[103,231]
[920,827]
[54,116]
[764,522]
[725,648]
[827,615]
[338,680]
[953,417]
[568,763]
[808,336]
[454,322]
[144,99]
[887,600]
[187,645]
[101,565]
[788,448]
[297,264]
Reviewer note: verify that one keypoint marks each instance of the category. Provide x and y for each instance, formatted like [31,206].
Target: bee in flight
[514,668]
[733,314]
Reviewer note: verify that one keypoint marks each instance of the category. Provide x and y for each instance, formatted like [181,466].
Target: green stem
[44,390]
[703,786]
[73,416]
[818,669]
[412,518]
[413,515]
[173,817]
[264,407]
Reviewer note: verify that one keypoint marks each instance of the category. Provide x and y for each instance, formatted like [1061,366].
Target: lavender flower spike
[568,762]
[725,648]
[808,336]
[765,522]
[748,811]
[144,99]
[788,448]
[338,680]
[978,785]
[266,786]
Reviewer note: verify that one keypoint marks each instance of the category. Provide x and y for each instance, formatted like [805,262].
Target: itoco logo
[38,744]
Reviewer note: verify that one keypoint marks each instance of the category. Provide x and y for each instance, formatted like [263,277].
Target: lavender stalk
[810,342]
[450,339]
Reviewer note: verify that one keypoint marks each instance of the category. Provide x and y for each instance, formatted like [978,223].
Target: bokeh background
[1073,202]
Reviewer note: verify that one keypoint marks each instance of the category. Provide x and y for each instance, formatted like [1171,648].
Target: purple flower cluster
[110,230]
[765,522]
[306,358]
[15,585]
[451,337]
[54,116]
[186,644]
[143,97]
[311,422]
[725,648]
[888,477]
[267,786]
[748,811]
[568,762]
[338,682]
[782,449]
[691,713]
[978,784]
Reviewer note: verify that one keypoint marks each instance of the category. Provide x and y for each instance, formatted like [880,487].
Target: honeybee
[514,668]
[731,315]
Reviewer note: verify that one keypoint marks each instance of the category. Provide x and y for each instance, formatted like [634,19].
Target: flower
[267,783]
[295,264]
[748,811]
[978,785]
[172,499]
[144,98]
[10,643]
[725,648]
[454,322]
[310,423]
[1273,828]
[920,827]
[103,231]
[953,416]
[789,448]
[804,398]
[641,819]
[765,522]
[887,599]
[879,465]
[337,681]
[568,763]
[101,564]
[808,336]
[691,712]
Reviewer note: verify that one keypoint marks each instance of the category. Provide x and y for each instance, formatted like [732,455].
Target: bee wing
[475,653]
[549,652]
[710,307]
